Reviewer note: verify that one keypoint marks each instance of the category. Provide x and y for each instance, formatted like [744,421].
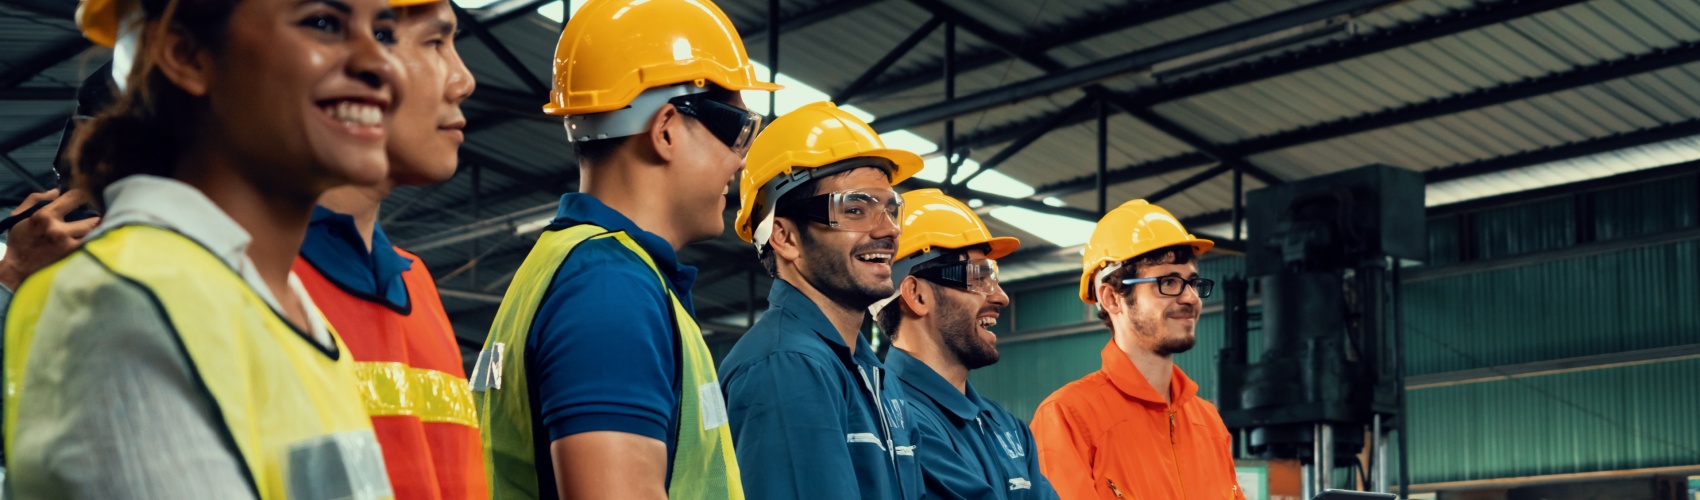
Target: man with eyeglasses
[595,381]
[1136,428]
[810,404]
[939,323]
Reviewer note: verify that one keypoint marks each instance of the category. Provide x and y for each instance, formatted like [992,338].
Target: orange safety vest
[412,382]
[1110,436]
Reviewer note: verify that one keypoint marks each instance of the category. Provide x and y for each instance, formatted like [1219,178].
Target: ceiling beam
[1138,60]
[1403,35]
[1576,149]
[38,94]
[1042,39]
[55,53]
[41,130]
[1492,96]
[758,34]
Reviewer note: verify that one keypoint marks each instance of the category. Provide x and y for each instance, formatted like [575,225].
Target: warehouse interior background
[1552,333]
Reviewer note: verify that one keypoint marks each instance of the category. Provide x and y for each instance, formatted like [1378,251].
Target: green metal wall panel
[1636,299]
[1645,209]
[1442,241]
[1048,307]
[1610,419]
[1525,228]
[1027,372]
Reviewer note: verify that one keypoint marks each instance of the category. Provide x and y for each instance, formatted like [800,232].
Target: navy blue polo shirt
[967,446]
[810,419]
[334,247]
[600,355]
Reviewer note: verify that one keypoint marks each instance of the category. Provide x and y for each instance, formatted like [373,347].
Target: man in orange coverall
[1136,427]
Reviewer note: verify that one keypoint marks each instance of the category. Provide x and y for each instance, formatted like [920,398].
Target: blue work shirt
[809,418]
[334,247]
[601,352]
[968,447]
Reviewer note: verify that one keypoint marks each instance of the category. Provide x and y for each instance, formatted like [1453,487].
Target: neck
[1157,369]
[276,222]
[846,320]
[622,184]
[915,339]
[361,203]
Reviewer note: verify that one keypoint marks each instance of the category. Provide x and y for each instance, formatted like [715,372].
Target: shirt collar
[579,208]
[792,301]
[335,248]
[927,381]
[1129,381]
[171,204]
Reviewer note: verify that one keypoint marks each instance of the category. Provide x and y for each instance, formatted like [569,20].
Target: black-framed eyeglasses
[849,210]
[1174,286]
[733,125]
[978,275]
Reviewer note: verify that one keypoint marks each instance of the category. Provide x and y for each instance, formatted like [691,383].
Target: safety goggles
[978,275]
[733,125]
[849,210]
[1173,286]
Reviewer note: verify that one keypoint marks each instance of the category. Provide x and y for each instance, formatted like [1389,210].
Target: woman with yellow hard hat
[174,355]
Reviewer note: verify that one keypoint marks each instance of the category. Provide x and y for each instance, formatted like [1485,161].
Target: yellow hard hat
[813,136]
[932,220]
[1131,230]
[99,19]
[613,50]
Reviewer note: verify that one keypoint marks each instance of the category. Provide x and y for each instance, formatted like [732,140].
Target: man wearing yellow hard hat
[810,404]
[595,381]
[381,299]
[939,323]
[1136,428]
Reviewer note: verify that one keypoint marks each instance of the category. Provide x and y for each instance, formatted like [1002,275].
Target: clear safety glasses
[1173,286]
[850,210]
[733,125]
[978,276]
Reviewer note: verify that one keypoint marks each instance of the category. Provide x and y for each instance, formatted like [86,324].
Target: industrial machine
[1324,255]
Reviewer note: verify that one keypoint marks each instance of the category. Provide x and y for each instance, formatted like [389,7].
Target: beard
[960,331]
[1156,337]
[831,272]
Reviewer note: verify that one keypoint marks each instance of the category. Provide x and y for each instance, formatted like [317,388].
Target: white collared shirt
[171,204]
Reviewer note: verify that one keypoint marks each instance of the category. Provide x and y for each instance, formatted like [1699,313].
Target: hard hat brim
[1002,246]
[908,163]
[397,4]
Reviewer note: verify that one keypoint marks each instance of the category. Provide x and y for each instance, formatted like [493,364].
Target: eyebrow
[334,4]
[445,27]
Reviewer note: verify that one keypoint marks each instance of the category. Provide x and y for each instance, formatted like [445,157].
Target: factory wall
[1506,283]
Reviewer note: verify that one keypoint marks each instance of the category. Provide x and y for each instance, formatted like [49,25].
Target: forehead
[427,18]
[1187,269]
[861,178]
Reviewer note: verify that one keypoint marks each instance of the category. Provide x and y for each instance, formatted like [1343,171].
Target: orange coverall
[1110,436]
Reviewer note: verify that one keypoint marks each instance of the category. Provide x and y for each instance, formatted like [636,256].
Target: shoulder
[777,335]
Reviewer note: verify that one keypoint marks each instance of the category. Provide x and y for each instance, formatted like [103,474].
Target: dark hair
[599,150]
[145,130]
[770,262]
[1178,254]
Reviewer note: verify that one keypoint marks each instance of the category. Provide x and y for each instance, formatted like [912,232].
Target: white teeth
[988,323]
[355,114]
[874,256]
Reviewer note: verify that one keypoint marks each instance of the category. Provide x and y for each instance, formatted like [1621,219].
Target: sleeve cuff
[608,422]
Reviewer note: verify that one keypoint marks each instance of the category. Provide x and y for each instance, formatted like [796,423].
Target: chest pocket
[909,479]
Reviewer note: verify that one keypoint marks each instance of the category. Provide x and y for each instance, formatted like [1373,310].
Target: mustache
[1188,310]
[881,245]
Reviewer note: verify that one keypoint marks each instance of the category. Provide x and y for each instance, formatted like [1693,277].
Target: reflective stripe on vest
[703,463]
[288,404]
[411,381]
